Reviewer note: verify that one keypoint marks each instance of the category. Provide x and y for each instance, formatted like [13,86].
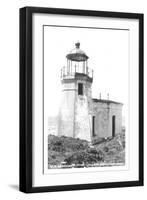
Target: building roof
[105,101]
[77,54]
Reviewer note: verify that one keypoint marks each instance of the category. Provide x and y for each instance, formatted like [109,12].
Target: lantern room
[77,62]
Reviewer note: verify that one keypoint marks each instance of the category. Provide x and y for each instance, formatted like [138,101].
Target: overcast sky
[108,52]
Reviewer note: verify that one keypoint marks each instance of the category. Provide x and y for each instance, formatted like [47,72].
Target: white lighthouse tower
[75,110]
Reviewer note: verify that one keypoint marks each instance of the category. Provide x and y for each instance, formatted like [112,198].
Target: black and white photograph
[85,96]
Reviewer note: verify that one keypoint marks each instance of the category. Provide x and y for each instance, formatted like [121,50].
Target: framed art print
[81,99]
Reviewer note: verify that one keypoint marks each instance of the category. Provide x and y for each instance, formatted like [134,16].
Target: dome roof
[76,50]
[77,54]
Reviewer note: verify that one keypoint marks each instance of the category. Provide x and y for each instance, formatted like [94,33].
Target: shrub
[105,149]
[87,157]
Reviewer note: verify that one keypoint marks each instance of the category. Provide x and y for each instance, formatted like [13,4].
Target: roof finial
[77,44]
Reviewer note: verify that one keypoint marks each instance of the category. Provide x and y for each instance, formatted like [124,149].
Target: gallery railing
[69,72]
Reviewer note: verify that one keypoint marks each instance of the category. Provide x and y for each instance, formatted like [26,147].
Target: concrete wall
[66,111]
[82,111]
[75,110]
[103,113]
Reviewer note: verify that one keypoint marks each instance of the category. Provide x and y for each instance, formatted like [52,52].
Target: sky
[108,52]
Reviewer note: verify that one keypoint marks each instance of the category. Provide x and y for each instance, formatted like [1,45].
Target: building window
[93,126]
[80,88]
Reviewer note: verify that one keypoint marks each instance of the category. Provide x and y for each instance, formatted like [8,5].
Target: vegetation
[74,151]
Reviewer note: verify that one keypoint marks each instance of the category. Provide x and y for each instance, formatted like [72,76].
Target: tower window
[80,88]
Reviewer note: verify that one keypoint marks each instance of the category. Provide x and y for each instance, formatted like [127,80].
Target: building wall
[103,113]
[74,113]
[82,111]
[66,111]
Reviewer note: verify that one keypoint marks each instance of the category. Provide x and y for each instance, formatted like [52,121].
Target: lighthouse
[75,112]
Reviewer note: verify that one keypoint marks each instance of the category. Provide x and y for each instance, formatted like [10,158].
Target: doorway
[113,126]
[93,126]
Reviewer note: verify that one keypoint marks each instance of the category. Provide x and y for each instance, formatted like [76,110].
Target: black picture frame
[26,90]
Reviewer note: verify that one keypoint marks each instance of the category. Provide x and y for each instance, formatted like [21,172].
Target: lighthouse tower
[76,106]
